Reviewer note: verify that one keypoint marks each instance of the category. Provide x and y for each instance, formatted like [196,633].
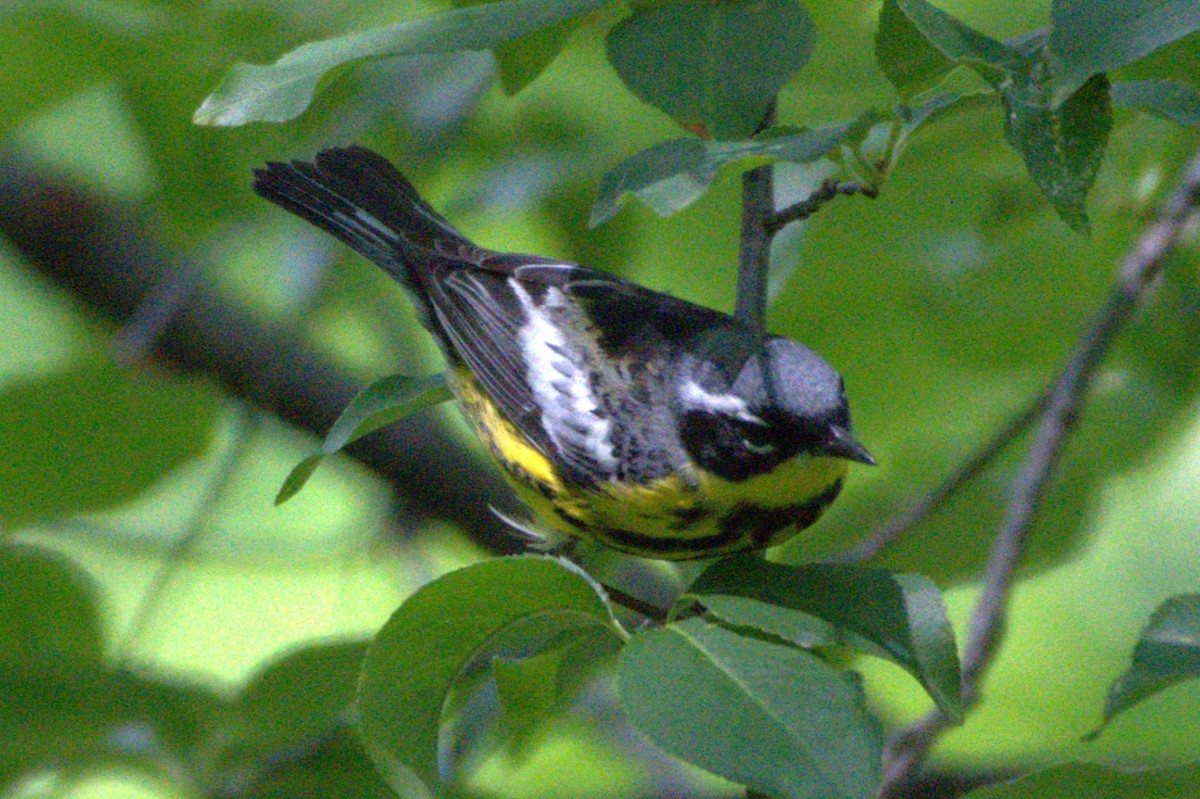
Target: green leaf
[1062,146]
[521,60]
[1078,780]
[533,690]
[907,59]
[384,402]
[765,715]
[900,617]
[96,435]
[283,90]
[1095,37]
[1168,652]
[672,175]
[49,619]
[937,107]
[958,41]
[668,177]
[338,767]
[508,607]
[715,68]
[528,693]
[1176,102]
[298,697]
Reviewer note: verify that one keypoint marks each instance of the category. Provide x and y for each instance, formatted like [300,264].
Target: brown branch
[908,748]
[807,207]
[101,255]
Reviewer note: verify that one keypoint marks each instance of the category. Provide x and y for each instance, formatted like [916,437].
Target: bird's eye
[757,438]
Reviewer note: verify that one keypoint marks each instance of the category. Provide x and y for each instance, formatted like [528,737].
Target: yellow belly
[678,517]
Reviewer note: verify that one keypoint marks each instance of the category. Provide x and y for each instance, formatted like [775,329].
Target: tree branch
[908,748]
[105,258]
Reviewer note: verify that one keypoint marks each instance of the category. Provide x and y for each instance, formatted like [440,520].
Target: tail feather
[360,198]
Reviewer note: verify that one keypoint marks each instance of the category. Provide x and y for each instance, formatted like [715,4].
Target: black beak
[842,445]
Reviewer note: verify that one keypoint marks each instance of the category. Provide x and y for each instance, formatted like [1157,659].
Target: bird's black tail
[359,197]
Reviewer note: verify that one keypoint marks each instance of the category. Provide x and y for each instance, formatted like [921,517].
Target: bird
[619,414]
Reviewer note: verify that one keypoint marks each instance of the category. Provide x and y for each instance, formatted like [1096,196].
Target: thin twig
[640,606]
[923,507]
[908,748]
[245,421]
[754,255]
[810,205]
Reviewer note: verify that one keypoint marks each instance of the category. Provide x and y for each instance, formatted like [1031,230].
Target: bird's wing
[512,322]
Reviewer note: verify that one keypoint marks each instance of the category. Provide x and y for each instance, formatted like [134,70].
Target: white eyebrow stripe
[696,397]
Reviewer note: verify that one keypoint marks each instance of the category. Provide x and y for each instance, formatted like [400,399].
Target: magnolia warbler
[656,426]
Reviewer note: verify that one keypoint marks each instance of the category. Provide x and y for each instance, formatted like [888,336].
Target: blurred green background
[946,304]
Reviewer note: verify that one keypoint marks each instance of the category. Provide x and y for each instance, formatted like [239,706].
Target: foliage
[946,302]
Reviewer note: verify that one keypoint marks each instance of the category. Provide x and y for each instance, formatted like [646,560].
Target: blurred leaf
[528,693]
[534,689]
[52,720]
[380,404]
[1167,652]
[1177,102]
[521,60]
[900,617]
[1062,147]
[49,54]
[672,175]
[765,715]
[668,177]
[49,618]
[907,59]
[94,436]
[1079,780]
[295,699]
[337,768]
[283,90]
[715,68]
[1096,37]
[508,607]
[933,109]
[957,40]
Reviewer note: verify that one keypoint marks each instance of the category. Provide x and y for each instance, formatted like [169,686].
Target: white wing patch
[559,379]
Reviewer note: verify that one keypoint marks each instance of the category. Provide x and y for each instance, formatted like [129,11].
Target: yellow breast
[682,516]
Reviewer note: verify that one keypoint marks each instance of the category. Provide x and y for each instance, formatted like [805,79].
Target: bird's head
[744,409]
